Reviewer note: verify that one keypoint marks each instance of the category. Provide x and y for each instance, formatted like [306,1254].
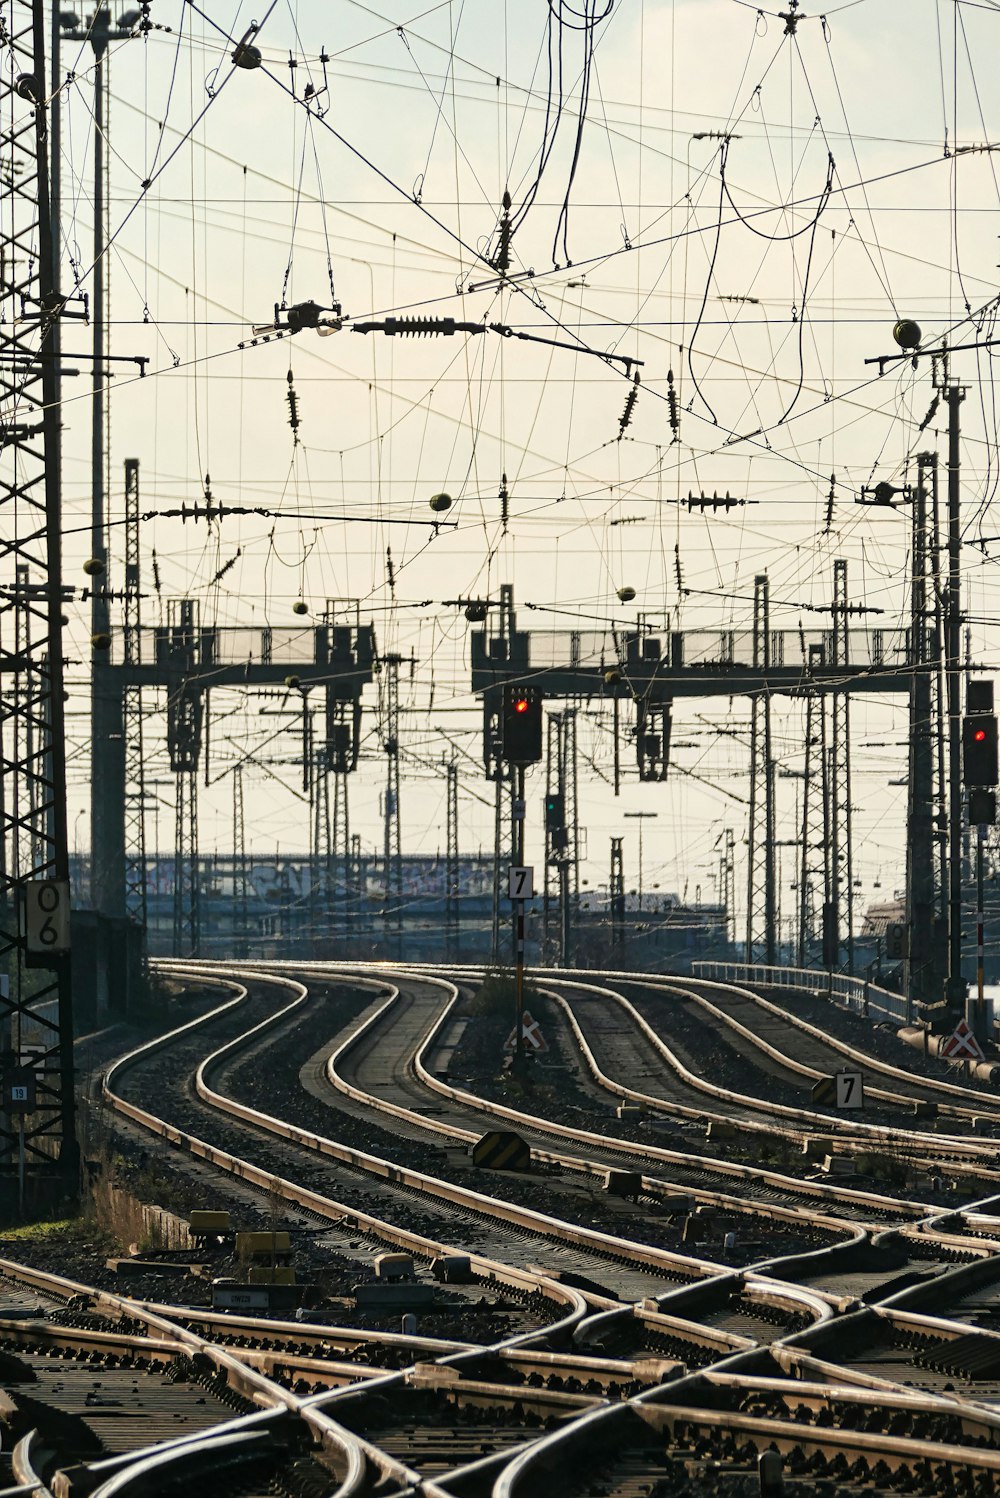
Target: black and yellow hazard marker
[825,1091]
[501,1150]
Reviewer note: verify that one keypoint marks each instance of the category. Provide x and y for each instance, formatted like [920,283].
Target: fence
[856,993]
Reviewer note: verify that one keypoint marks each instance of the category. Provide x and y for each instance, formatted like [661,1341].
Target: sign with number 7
[850,1089]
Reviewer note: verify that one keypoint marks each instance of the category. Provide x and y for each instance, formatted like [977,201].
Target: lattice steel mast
[813,871]
[392,850]
[33,827]
[185,716]
[926,967]
[241,882]
[451,872]
[842,858]
[761,938]
[321,861]
[135,772]
[562,855]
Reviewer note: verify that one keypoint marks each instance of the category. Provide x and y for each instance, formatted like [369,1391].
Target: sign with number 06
[46,917]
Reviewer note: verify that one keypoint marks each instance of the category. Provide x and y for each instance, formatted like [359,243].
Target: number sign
[46,917]
[520,883]
[850,1089]
[19,1091]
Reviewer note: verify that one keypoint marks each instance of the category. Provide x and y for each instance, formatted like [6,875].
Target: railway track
[888,1265]
[771,1034]
[677,1380]
[395,1061]
[619,1040]
[462,1219]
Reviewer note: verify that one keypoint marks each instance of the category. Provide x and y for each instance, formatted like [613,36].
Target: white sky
[449,103]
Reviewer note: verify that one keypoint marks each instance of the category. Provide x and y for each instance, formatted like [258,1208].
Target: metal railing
[856,993]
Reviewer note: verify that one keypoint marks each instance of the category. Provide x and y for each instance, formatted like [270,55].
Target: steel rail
[602,1142]
[815,1303]
[304,1332]
[971,1151]
[958,1454]
[605,1244]
[42,1336]
[653,1185]
[279,1403]
[975,1099]
[812,1123]
[523,1359]
[947,1243]
[791,1184]
[872,1063]
[360,1455]
[985,1105]
[573,1302]
[669,1409]
[23,1468]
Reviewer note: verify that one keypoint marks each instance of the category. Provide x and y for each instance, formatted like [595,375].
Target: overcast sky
[762,269]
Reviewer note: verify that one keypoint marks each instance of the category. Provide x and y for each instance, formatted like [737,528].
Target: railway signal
[979,737]
[555,811]
[979,771]
[521,725]
[895,940]
[979,751]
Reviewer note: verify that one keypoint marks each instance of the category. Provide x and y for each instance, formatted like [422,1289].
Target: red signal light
[521,726]
[980,735]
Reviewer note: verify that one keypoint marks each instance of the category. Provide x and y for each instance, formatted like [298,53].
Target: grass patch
[65,1227]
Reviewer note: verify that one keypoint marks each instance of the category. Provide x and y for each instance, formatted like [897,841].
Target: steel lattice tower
[241,883]
[33,832]
[841,855]
[392,848]
[926,966]
[503,852]
[185,714]
[340,845]
[728,892]
[321,861]
[761,938]
[330,843]
[451,874]
[813,871]
[187,901]
[135,774]
[562,857]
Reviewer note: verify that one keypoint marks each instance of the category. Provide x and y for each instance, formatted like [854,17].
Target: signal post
[979,771]
[520,746]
